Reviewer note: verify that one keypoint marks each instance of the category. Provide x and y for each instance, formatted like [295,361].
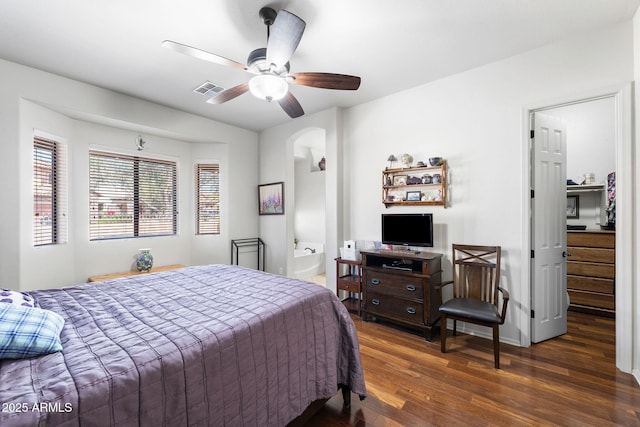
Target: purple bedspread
[210,345]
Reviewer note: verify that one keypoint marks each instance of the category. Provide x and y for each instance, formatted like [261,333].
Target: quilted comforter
[210,345]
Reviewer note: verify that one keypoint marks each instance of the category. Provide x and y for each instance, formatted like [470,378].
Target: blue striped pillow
[28,332]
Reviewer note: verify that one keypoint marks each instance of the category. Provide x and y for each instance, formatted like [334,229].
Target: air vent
[209,89]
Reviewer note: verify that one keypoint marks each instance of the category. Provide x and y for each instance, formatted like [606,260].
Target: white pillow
[18,298]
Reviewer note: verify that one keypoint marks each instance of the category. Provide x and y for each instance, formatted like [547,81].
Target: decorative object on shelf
[420,164]
[573,207]
[436,178]
[400,180]
[391,159]
[413,196]
[427,179]
[438,197]
[589,178]
[388,181]
[144,260]
[322,164]
[435,161]
[271,199]
[413,180]
[407,160]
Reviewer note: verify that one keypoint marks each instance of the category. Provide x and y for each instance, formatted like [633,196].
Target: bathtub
[305,262]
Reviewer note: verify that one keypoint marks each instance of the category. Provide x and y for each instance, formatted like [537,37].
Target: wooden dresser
[591,271]
[399,286]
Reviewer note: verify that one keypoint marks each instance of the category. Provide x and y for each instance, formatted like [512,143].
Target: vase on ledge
[144,260]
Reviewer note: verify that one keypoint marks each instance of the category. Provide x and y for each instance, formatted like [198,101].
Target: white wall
[277,164]
[631,326]
[590,149]
[309,222]
[474,120]
[85,116]
[309,187]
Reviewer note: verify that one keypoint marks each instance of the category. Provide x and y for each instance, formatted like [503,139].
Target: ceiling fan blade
[202,54]
[284,38]
[229,94]
[291,106]
[326,80]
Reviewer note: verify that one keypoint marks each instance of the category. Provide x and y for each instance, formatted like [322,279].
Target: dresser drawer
[398,308]
[591,240]
[592,254]
[591,284]
[592,299]
[395,285]
[593,269]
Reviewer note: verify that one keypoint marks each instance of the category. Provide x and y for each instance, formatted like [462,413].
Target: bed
[206,345]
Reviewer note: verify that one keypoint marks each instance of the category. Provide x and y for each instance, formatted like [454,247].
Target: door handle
[565,254]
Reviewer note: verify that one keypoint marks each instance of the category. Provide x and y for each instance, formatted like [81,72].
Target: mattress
[208,345]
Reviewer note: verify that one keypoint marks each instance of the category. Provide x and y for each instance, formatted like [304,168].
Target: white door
[549,227]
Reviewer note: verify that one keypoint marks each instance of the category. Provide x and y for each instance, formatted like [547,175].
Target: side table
[350,282]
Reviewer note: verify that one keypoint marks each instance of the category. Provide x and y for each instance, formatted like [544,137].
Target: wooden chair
[476,278]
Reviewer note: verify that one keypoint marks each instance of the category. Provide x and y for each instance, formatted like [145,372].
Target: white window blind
[49,192]
[131,196]
[207,198]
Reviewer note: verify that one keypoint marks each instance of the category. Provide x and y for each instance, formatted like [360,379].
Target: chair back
[476,272]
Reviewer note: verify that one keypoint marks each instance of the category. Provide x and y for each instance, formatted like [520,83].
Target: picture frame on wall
[573,207]
[271,198]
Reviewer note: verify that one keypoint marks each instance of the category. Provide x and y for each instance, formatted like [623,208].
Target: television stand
[396,267]
[400,287]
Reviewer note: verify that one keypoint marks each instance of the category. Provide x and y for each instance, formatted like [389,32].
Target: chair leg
[455,327]
[496,346]
[443,334]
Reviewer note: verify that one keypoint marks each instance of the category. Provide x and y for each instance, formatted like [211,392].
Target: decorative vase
[144,260]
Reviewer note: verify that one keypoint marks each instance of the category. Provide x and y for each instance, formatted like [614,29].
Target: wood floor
[569,381]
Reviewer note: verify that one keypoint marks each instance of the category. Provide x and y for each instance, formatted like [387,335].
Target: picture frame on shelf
[413,196]
[573,207]
[400,180]
[271,198]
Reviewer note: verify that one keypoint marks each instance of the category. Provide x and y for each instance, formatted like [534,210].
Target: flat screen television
[407,229]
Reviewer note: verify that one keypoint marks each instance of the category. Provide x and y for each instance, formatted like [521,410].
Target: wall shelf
[395,186]
[585,188]
[601,200]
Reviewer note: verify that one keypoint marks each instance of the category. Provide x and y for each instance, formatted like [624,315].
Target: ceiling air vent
[209,89]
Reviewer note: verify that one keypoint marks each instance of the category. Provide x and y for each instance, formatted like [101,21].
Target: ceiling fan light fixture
[268,87]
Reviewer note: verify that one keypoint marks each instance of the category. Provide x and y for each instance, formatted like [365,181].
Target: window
[207,199]
[131,196]
[49,192]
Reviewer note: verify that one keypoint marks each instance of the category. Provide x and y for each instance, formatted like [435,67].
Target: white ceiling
[394,46]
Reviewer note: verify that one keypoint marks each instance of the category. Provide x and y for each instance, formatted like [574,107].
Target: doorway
[309,205]
[622,100]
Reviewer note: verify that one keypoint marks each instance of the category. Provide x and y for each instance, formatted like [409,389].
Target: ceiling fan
[270,65]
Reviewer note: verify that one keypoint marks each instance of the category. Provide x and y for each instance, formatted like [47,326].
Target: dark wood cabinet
[350,282]
[591,271]
[400,287]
